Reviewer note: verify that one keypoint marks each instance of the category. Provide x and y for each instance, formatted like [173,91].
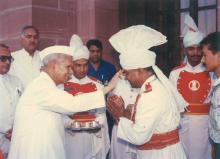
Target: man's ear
[51,65]
[143,73]
[184,51]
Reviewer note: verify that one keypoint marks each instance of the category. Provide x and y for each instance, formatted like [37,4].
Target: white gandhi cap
[60,49]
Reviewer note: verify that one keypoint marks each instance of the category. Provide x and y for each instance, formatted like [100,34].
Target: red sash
[198,109]
[74,89]
[160,141]
[83,117]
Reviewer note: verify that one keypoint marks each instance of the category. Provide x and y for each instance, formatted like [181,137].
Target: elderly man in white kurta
[121,148]
[27,60]
[10,91]
[152,124]
[194,84]
[91,145]
[38,131]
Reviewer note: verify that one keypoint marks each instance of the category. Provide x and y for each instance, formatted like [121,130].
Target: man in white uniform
[38,131]
[152,124]
[27,60]
[10,91]
[194,84]
[92,145]
[121,148]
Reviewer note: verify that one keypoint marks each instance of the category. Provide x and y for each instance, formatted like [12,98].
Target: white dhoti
[190,130]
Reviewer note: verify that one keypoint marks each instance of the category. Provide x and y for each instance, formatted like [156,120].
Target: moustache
[33,44]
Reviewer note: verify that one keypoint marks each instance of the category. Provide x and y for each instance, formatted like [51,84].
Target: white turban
[133,44]
[80,51]
[191,34]
[143,60]
[75,42]
[56,49]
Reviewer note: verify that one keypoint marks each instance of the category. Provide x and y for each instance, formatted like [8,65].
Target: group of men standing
[20,69]
[194,84]
[154,117]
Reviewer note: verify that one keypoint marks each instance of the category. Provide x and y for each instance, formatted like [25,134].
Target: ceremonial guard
[194,84]
[94,144]
[153,123]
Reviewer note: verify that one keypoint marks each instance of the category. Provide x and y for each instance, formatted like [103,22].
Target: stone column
[98,19]
[13,15]
[57,20]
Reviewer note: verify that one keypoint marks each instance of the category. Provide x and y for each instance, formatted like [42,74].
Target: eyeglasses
[5,58]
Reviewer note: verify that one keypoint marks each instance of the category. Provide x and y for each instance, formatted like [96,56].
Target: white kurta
[24,66]
[10,91]
[38,128]
[193,128]
[90,145]
[121,149]
[155,113]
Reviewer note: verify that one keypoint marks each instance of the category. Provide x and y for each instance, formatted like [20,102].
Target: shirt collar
[100,65]
[216,82]
[35,53]
[198,67]
[48,78]
[76,80]
[3,76]
[25,51]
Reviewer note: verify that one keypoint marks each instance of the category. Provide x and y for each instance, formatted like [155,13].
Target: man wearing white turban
[152,124]
[93,144]
[194,84]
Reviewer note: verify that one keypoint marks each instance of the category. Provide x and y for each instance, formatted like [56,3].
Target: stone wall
[57,20]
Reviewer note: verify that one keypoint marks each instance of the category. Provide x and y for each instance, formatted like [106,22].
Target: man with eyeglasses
[10,90]
[27,61]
